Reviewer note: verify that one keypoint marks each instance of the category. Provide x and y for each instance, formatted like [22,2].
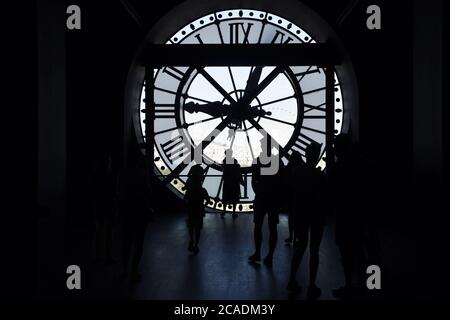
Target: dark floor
[413,260]
[220,270]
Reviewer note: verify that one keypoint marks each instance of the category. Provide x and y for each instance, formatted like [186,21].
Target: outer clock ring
[288,9]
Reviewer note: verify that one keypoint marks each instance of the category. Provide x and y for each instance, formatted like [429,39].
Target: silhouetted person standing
[103,194]
[368,180]
[267,201]
[195,201]
[134,190]
[289,185]
[346,179]
[309,218]
[231,183]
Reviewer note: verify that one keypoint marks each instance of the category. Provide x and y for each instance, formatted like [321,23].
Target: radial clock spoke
[276,101]
[248,140]
[260,128]
[278,120]
[198,99]
[233,82]
[320,107]
[201,121]
[214,83]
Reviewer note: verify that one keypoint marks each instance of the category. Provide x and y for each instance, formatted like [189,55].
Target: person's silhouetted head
[141,161]
[196,172]
[229,157]
[312,153]
[341,145]
[296,159]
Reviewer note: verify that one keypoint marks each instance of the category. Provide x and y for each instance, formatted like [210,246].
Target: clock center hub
[240,111]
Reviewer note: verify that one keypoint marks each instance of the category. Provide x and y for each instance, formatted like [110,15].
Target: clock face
[239,106]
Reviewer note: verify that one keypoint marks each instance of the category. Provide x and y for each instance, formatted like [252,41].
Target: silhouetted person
[347,178]
[134,191]
[309,218]
[231,183]
[267,188]
[195,198]
[103,195]
[367,193]
[289,184]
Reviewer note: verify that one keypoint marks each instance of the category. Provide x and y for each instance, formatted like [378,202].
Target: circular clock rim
[190,10]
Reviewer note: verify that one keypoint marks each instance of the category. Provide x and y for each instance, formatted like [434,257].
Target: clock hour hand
[253,80]
[256,112]
[215,109]
[259,87]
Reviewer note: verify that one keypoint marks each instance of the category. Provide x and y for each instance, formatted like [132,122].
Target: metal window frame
[322,55]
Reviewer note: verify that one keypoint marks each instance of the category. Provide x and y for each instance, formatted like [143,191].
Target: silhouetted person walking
[309,218]
[267,201]
[134,190]
[195,198]
[231,183]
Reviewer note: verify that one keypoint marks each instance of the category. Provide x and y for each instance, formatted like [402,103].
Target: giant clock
[241,103]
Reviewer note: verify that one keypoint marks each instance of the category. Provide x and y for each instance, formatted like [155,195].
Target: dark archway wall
[91,67]
[51,139]
[428,96]
[98,59]
[446,100]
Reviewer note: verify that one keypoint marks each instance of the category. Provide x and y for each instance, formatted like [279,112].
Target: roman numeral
[316,90]
[166,130]
[165,90]
[313,130]
[174,72]
[302,142]
[314,117]
[203,145]
[199,39]
[235,34]
[175,148]
[320,107]
[220,187]
[301,75]
[164,111]
[279,38]
[244,183]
